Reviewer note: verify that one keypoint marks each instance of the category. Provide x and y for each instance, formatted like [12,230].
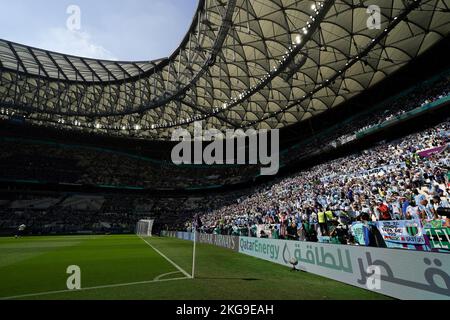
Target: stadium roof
[260,64]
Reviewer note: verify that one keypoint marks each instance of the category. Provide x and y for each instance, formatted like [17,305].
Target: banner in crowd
[401,274]
[439,238]
[265,228]
[369,173]
[328,178]
[430,152]
[397,233]
[375,171]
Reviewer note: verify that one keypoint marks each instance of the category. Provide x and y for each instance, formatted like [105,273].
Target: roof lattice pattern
[243,64]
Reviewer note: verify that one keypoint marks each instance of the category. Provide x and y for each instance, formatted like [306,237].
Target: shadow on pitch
[227,278]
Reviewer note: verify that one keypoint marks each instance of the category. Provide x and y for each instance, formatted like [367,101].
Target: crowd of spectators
[388,182]
[46,161]
[411,100]
[342,133]
[69,213]
[57,163]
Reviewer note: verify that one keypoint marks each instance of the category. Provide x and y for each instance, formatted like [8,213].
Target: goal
[144,228]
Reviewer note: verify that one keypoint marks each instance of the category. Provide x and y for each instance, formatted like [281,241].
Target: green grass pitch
[126,267]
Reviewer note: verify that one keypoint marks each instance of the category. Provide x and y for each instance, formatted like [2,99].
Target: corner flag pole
[194,252]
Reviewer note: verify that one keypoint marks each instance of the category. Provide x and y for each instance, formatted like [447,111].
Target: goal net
[144,228]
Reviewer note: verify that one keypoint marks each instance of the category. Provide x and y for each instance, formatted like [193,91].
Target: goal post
[144,228]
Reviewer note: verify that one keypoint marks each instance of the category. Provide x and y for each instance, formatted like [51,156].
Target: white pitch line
[165,275]
[156,280]
[91,288]
[164,256]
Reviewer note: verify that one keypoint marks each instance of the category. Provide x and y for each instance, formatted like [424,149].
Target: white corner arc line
[170,261]
[165,275]
[91,288]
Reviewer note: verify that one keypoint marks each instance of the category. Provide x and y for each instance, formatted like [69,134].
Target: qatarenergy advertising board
[402,274]
[397,273]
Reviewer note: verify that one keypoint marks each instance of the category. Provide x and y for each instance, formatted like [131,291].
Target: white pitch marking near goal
[165,275]
[190,276]
[156,280]
[93,288]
